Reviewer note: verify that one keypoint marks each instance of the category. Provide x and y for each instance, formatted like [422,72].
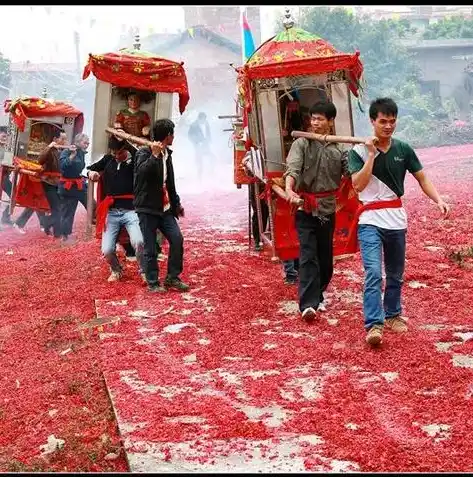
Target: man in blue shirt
[72,186]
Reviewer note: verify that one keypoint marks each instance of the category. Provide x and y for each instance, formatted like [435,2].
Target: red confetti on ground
[230,366]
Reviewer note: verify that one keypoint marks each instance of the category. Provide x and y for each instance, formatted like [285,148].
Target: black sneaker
[176,283]
[309,315]
[156,288]
[258,247]
[290,281]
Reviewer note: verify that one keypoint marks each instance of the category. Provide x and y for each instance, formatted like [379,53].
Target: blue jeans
[373,242]
[116,219]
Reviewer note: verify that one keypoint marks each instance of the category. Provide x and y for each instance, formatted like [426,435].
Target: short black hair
[58,132]
[386,106]
[114,144]
[326,108]
[162,129]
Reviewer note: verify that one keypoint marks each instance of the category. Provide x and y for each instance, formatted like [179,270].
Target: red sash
[382,204]
[68,183]
[310,199]
[50,177]
[165,197]
[50,174]
[104,207]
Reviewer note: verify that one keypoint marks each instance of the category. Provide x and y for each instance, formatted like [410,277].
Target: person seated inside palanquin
[132,119]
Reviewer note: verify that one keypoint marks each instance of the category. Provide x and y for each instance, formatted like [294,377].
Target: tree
[5,75]
[449,28]
[387,63]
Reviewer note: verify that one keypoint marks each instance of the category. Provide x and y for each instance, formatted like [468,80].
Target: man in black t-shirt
[117,210]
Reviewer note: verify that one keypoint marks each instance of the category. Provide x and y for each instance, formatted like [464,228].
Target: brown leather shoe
[375,335]
[396,324]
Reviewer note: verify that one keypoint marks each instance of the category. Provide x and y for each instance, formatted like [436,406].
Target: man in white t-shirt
[378,174]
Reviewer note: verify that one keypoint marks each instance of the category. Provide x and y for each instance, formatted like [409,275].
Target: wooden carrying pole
[330,138]
[128,137]
[279,190]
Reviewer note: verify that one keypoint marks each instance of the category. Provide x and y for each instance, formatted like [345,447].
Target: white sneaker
[114,277]
[309,314]
[131,259]
[321,307]
[19,229]
[162,257]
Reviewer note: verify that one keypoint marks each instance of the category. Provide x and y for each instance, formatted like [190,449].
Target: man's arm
[430,191]
[414,166]
[294,163]
[45,157]
[94,170]
[67,156]
[98,166]
[361,178]
[144,162]
[145,159]
[345,168]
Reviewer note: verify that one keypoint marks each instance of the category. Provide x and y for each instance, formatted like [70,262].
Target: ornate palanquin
[135,71]
[29,107]
[277,75]
[32,124]
[140,70]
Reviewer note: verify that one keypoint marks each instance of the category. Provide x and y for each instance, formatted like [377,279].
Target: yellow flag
[396,16]
[191,32]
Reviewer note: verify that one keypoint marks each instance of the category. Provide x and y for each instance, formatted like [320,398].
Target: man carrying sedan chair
[117,210]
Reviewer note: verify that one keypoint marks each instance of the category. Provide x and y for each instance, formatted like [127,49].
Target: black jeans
[68,206]
[315,257]
[254,189]
[54,220]
[22,220]
[167,224]
[46,221]
[130,251]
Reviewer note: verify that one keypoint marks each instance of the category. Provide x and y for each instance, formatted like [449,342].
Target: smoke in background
[217,163]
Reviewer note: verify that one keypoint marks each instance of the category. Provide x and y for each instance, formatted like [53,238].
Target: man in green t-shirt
[378,174]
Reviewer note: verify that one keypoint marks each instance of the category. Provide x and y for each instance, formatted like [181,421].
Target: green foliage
[387,63]
[5,75]
[449,28]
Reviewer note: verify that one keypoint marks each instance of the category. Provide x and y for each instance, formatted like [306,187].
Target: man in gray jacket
[314,172]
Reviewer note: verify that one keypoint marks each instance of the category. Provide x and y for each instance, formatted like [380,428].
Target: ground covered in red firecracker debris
[227,377]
